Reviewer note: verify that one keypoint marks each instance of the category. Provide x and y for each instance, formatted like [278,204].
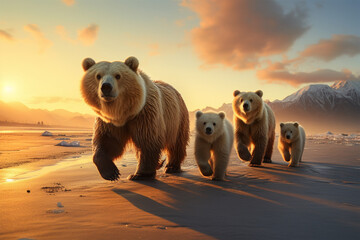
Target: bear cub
[291,143]
[254,127]
[213,144]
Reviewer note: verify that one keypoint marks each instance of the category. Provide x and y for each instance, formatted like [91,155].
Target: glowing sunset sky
[205,49]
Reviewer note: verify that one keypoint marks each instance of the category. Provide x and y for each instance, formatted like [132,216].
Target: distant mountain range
[19,113]
[318,107]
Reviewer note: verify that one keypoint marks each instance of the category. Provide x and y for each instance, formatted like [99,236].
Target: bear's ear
[281,125]
[222,115]
[296,124]
[259,93]
[199,114]
[236,92]
[88,63]
[132,63]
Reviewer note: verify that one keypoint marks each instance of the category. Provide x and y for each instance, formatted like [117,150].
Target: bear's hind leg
[176,156]
[269,148]
[177,152]
[148,163]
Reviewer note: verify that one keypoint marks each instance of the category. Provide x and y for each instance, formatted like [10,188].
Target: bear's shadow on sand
[270,202]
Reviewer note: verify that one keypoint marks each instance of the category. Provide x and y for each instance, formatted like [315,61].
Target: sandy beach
[67,198]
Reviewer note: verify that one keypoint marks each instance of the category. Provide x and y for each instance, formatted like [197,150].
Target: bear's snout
[208,130]
[106,89]
[288,136]
[246,107]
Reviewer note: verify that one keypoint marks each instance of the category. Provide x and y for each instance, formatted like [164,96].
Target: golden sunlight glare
[8,89]
[8,92]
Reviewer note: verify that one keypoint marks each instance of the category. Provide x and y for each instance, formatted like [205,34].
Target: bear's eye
[117,76]
[214,124]
[250,100]
[241,100]
[204,123]
[290,131]
[98,76]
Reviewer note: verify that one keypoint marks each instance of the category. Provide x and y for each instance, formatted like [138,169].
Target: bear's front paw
[245,155]
[172,169]
[294,165]
[255,164]
[267,160]
[142,176]
[217,179]
[108,171]
[206,171]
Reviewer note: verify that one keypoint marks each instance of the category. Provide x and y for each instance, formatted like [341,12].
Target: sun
[8,92]
[8,89]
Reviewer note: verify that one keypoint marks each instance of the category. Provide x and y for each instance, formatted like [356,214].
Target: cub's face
[247,105]
[289,131]
[209,124]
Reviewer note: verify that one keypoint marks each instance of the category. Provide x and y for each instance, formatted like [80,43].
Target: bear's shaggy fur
[254,127]
[133,109]
[291,143]
[213,144]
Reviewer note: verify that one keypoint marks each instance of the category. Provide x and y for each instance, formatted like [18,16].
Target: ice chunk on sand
[46,133]
[67,144]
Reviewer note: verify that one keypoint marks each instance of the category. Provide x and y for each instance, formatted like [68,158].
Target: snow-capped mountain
[342,95]
[320,107]
[342,98]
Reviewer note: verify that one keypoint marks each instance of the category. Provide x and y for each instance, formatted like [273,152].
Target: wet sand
[31,149]
[69,200]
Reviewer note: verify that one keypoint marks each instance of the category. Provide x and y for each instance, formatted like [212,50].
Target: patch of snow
[55,211]
[343,138]
[62,138]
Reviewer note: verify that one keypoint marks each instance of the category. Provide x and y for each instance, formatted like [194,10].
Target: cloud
[61,31]
[6,35]
[237,33]
[277,73]
[34,30]
[49,100]
[154,49]
[88,35]
[68,2]
[336,46]
[324,50]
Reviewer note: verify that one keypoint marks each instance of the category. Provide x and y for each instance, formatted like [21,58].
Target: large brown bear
[133,109]
[254,127]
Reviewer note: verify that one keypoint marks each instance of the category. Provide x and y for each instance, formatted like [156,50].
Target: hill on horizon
[19,113]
